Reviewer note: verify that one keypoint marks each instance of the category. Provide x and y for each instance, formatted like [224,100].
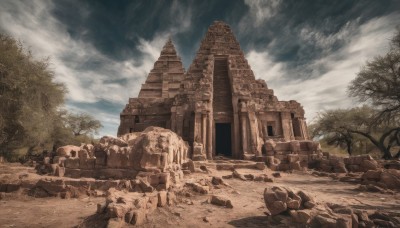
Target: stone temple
[217,105]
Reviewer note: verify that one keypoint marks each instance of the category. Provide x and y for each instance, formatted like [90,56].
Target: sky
[102,50]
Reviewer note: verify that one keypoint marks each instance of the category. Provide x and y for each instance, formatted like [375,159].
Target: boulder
[158,148]
[275,199]
[391,178]
[368,165]
[372,175]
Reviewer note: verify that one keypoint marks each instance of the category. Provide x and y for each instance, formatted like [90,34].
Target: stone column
[286,126]
[197,127]
[236,136]
[204,129]
[254,133]
[243,121]
[209,136]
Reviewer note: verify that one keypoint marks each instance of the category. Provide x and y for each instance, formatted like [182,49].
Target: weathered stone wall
[154,150]
[291,155]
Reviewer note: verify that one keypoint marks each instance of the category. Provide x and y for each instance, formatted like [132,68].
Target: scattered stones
[217,181]
[276,174]
[221,201]
[197,187]
[300,216]
[238,175]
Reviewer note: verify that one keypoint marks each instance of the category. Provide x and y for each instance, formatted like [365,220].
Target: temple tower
[217,106]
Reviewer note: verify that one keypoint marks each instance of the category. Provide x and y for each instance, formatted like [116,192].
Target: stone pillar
[254,133]
[204,129]
[303,128]
[197,127]
[286,126]
[236,137]
[209,136]
[243,121]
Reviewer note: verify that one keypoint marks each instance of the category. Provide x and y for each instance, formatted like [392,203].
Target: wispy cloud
[261,10]
[89,75]
[328,90]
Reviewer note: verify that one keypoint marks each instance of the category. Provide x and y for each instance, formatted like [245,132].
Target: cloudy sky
[102,50]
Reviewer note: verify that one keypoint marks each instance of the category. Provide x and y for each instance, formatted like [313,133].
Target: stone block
[294,146]
[72,163]
[60,171]
[282,146]
[74,173]
[162,198]
[293,158]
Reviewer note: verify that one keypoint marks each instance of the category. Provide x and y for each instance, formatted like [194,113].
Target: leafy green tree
[30,104]
[29,97]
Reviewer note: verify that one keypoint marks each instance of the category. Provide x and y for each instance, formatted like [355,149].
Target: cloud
[89,75]
[328,90]
[261,10]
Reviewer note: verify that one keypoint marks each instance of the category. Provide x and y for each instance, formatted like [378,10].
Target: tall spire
[164,79]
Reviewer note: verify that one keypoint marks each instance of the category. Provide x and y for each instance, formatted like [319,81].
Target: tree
[379,83]
[333,127]
[82,124]
[29,97]
[342,126]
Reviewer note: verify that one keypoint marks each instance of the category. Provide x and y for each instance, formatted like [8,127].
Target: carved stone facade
[217,105]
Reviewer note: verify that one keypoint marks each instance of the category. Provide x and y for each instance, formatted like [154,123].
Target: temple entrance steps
[224,163]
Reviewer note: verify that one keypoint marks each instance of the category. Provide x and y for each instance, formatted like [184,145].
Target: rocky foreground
[245,197]
[147,180]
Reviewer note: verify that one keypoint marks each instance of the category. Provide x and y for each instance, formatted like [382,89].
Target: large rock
[391,178]
[158,148]
[368,165]
[372,175]
[275,199]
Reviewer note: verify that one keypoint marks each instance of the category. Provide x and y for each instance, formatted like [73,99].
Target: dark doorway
[270,131]
[223,141]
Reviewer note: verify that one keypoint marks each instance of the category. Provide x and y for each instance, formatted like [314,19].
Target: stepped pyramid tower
[217,106]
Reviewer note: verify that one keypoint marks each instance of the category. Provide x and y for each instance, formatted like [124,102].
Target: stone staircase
[222,100]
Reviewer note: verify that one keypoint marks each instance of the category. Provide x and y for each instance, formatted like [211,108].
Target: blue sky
[102,50]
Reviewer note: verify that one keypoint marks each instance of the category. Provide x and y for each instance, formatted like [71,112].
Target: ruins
[217,105]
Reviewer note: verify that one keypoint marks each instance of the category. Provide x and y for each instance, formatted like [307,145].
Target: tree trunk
[349,148]
[379,144]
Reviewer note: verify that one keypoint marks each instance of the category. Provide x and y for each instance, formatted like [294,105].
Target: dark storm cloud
[103,49]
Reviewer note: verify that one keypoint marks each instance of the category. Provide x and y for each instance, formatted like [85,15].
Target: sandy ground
[249,207]
[249,210]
